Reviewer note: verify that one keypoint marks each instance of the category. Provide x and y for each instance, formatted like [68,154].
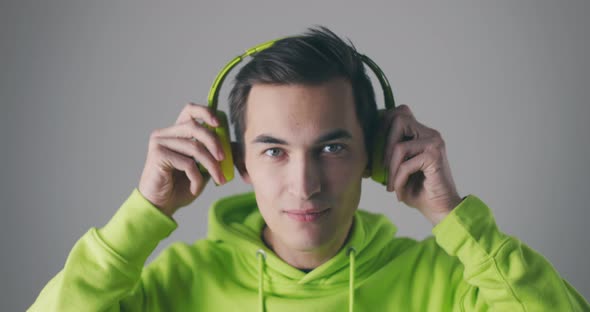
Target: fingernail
[220,156]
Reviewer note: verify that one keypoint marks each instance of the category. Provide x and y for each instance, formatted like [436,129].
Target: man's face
[305,157]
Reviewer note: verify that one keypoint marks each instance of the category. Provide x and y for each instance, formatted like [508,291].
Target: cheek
[343,174]
[259,171]
[265,181]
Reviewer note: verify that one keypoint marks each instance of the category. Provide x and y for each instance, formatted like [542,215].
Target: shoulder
[182,258]
[423,254]
[428,255]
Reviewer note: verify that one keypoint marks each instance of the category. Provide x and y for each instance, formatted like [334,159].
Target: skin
[303,149]
[419,172]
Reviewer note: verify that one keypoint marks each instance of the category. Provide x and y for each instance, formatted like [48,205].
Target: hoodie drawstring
[351,254]
[261,255]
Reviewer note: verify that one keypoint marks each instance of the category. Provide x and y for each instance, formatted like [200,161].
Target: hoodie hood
[236,221]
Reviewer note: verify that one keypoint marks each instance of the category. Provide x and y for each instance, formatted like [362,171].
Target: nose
[305,177]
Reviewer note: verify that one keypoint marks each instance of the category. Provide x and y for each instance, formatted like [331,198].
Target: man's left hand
[416,160]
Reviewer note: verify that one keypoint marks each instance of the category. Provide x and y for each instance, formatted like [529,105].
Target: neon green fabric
[468,265]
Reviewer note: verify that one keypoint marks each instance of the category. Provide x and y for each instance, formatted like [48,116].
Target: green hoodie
[469,265]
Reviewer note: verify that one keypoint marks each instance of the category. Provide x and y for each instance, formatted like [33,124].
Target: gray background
[83,83]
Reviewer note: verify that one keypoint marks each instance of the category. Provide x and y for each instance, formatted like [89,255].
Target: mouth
[307,216]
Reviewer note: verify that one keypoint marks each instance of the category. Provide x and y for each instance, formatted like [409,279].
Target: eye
[332,148]
[273,152]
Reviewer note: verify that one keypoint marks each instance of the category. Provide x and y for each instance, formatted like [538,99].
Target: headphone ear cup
[227,164]
[222,132]
[378,171]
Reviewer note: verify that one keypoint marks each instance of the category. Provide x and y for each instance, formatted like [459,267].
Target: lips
[309,215]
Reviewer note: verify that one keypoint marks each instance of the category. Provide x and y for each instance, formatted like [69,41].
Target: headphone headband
[214,91]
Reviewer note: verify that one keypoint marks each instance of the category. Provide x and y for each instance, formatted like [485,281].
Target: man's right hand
[171,177]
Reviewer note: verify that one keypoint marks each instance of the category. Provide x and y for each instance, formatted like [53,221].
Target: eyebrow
[330,136]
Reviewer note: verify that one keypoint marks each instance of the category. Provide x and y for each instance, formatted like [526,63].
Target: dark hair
[312,58]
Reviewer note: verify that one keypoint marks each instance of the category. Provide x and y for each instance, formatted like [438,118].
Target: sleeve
[500,272]
[103,269]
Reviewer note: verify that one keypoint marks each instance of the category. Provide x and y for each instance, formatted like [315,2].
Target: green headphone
[378,171]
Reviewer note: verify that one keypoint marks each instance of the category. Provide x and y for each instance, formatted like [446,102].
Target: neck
[304,259]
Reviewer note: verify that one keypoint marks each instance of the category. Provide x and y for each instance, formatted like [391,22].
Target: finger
[403,128]
[404,109]
[200,112]
[385,121]
[389,115]
[415,164]
[182,163]
[402,151]
[192,129]
[199,153]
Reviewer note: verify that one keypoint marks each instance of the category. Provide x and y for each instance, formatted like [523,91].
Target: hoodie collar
[236,220]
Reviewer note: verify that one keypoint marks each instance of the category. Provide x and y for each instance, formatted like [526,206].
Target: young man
[304,115]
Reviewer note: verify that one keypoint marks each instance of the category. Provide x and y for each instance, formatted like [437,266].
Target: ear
[239,161]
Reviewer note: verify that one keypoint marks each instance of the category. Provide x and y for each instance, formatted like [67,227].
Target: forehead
[300,111]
